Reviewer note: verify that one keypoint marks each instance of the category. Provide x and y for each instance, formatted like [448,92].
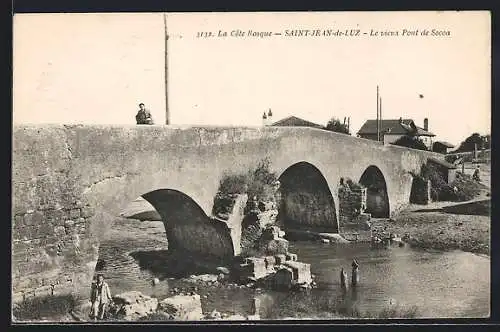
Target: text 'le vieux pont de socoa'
[305,33]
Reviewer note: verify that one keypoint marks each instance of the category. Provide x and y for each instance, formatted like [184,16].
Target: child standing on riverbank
[100,296]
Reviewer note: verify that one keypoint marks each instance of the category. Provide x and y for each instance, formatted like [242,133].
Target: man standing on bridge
[144,116]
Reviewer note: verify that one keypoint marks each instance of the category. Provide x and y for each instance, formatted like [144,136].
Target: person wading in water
[144,116]
[100,296]
[475,176]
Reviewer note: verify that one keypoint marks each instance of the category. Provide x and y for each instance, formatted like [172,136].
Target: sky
[96,69]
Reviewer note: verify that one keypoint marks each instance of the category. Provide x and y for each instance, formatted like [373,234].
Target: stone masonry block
[20,246]
[182,307]
[59,231]
[74,213]
[55,216]
[19,220]
[270,261]
[17,232]
[258,266]
[30,268]
[26,233]
[34,218]
[301,271]
[87,212]
[80,221]
[280,259]
[69,224]
[44,230]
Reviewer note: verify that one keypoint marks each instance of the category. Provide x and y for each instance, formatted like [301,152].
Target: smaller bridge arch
[377,198]
[306,202]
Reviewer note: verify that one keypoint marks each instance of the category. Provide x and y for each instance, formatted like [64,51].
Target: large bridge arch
[306,202]
[188,227]
[377,200]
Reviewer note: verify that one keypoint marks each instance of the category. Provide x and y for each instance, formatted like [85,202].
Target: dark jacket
[144,117]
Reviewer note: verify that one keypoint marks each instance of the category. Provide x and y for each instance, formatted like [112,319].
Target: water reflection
[452,284]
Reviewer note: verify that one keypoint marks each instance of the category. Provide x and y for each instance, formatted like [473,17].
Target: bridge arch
[377,198]
[306,200]
[188,227]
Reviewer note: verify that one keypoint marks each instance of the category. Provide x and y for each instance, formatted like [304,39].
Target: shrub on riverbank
[463,188]
[323,305]
[45,307]
[257,182]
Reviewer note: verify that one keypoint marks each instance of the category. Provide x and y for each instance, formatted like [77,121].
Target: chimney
[426,124]
[264,119]
[269,117]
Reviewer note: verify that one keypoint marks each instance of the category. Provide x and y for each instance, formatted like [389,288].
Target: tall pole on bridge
[378,119]
[167,114]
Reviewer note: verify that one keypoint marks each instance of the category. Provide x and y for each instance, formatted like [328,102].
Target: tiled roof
[293,121]
[448,145]
[393,127]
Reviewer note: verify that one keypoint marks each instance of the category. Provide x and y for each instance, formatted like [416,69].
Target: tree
[337,126]
[411,142]
[481,142]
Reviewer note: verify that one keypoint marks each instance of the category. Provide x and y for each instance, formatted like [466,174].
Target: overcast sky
[96,68]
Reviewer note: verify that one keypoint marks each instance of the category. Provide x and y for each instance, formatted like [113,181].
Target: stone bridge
[71,182]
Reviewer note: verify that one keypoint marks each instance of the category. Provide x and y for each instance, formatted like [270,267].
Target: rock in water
[214,315]
[203,278]
[223,269]
[156,281]
[134,305]
[182,307]
[235,317]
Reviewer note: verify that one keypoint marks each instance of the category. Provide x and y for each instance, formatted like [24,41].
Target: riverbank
[293,306]
[443,225]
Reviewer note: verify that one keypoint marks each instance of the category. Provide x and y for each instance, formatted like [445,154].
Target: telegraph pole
[378,120]
[167,114]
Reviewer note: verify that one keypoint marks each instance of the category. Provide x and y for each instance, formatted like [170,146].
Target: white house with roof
[393,129]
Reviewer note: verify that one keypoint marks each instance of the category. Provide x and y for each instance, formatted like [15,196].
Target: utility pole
[378,122]
[167,114]
[380,118]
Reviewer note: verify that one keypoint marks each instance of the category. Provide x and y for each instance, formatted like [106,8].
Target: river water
[440,284]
